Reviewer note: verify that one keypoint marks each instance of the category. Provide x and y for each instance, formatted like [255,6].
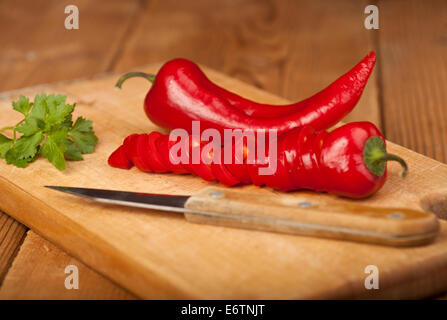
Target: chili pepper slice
[222,174]
[280,179]
[238,168]
[153,157]
[119,159]
[165,145]
[128,143]
[138,147]
[163,152]
[201,169]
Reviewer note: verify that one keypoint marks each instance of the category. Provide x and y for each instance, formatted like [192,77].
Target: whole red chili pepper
[349,161]
[182,93]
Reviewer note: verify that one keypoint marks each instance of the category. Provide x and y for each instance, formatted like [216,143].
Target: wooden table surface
[290,48]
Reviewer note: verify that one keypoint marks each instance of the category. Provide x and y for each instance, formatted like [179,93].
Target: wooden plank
[163,256]
[290,48]
[38,272]
[37,48]
[413,57]
[12,234]
[48,53]
[413,62]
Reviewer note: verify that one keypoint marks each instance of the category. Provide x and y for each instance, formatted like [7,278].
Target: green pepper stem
[393,157]
[375,157]
[148,76]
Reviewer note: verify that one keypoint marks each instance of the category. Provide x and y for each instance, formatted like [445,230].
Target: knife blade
[298,215]
[164,202]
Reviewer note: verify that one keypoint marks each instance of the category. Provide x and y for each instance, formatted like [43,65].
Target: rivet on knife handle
[311,217]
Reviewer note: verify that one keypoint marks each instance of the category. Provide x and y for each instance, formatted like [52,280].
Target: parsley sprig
[47,130]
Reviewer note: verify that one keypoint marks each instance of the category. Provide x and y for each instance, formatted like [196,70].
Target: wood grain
[162,256]
[290,48]
[37,48]
[322,218]
[413,63]
[413,58]
[12,234]
[39,273]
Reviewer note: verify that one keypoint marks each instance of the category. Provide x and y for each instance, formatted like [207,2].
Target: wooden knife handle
[311,216]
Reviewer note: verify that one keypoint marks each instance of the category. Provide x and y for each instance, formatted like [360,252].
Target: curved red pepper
[349,161]
[182,89]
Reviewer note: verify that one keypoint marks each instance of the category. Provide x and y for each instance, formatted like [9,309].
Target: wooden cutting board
[160,255]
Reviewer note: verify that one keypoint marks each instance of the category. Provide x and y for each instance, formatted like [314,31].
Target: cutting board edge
[409,284]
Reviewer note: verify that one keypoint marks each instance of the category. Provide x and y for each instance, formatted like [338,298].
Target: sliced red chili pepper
[128,145]
[238,168]
[299,177]
[185,145]
[254,167]
[223,175]
[138,149]
[164,145]
[308,163]
[119,159]
[290,147]
[349,161]
[201,169]
[153,157]
[163,151]
[280,179]
[178,168]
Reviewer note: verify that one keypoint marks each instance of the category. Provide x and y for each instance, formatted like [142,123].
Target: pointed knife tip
[61,188]
[54,187]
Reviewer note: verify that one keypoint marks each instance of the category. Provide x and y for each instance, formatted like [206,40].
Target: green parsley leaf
[40,108]
[54,147]
[30,126]
[5,145]
[72,152]
[57,109]
[68,121]
[22,105]
[26,147]
[12,157]
[83,135]
[24,150]
[49,120]
[53,153]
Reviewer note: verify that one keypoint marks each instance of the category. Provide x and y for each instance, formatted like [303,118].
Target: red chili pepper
[182,93]
[349,161]
[119,159]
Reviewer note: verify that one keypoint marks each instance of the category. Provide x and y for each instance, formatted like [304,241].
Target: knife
[298,215]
